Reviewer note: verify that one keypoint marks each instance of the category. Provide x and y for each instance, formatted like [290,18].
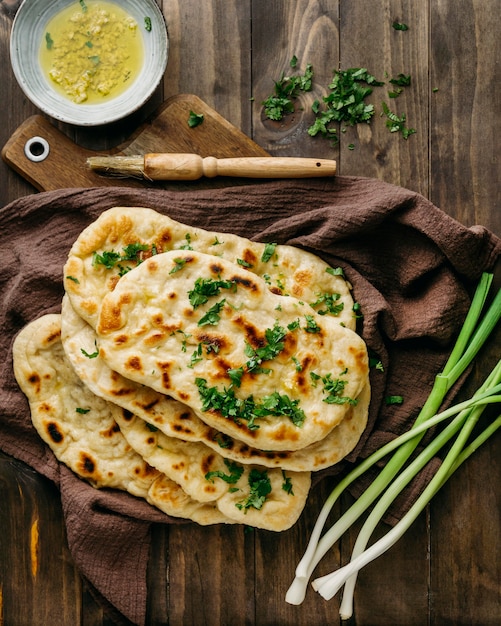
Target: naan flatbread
[83,433]
[175,419]
[169,497]
[189,464]
[77,426]
[263,368]
[122,236]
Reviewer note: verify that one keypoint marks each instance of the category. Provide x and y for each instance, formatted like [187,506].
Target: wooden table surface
[446,570]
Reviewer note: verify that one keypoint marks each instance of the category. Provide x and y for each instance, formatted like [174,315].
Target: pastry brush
[180,166]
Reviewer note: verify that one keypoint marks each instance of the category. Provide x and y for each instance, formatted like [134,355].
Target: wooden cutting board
[166,131]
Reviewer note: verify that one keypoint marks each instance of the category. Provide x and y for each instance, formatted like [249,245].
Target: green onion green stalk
[389,482]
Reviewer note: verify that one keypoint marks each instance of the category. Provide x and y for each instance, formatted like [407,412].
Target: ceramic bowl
[28,34]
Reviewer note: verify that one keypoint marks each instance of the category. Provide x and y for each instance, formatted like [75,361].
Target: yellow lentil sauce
[91,51]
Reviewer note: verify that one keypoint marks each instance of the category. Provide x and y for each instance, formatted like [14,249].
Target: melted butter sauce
[91,51]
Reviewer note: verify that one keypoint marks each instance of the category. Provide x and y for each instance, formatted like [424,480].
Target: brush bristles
[122,166]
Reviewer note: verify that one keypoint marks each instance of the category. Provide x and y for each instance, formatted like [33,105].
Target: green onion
[468,343]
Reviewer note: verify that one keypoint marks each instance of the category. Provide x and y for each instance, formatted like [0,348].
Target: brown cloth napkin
[412,267]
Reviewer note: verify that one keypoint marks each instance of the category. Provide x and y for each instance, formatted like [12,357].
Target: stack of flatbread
[201,371]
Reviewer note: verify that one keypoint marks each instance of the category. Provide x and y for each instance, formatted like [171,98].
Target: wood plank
[308,31]
[12,186]
[465,182]
[211,575]
[210,55]
[276,558]
[370,41]
[465,121]
[36,565]
[400,595]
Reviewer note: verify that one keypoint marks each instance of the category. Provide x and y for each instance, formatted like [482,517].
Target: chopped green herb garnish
[233,477]
[206,288]
[195,119]
[72,278]
[269,250]
[275,344]
[346,101]
[397,124]
[81,411]
[400,26]
[277,405]
[330,302]
[311,325]
[49,42]
[187,245]
[212,316]
[260,487]
[394,400]
[402,80]
[91,355]
[147,24]
[179,263]
[83,5]
[338,271]
[196,357]
[131,251]
[235,375]
[287,89]
[357,311]
[108,258]
[293,325]
[287,484]
[333,387]
[244,263]
[231,407]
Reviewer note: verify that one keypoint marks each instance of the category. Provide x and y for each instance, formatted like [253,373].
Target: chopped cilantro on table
[397,124]
[287,89]
[195,119]
[346,101]
[394,400]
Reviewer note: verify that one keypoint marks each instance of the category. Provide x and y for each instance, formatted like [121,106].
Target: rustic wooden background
[229,52]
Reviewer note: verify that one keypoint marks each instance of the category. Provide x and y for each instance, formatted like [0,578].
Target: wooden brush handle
[192,167]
